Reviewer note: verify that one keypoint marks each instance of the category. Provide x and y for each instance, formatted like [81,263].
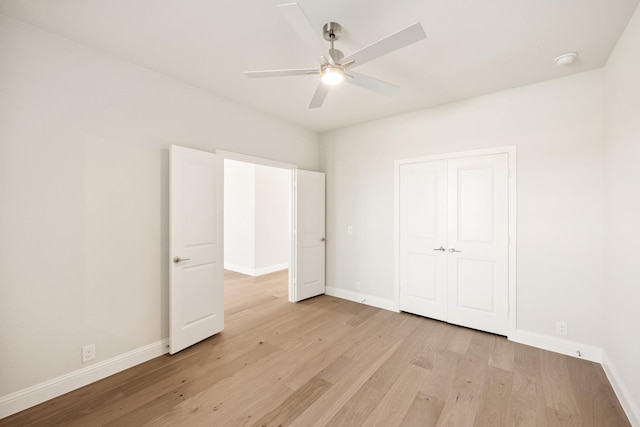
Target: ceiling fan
[334,66]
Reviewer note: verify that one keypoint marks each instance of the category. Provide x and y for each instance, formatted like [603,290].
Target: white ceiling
[473,47]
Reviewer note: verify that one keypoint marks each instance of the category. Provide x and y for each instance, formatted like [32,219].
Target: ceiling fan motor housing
[331,30]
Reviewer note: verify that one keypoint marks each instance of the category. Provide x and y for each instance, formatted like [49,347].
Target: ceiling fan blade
[370,83]
[318,97]
[395,41]
[280,73]
[311,37]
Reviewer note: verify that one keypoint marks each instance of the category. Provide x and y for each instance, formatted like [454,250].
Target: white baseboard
[239,269]
[570,348]
[271,269]
[362,298]
[622,392]
[256,271]
[23,399]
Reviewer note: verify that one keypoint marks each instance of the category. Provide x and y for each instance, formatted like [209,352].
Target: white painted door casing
[196,290]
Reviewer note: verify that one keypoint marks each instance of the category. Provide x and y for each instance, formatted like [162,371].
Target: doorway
[196,284]
[257,222]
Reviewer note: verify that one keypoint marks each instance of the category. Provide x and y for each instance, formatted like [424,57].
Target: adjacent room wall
[621,292]
[84,154]
[257,211]
[557,127]
[273,219]
[239,216]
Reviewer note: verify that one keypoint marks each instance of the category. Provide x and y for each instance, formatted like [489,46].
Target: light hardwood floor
[327,361]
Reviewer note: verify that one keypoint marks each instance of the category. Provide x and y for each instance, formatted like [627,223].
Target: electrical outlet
[561,328]
[88,352]
[350,230]
[357,286]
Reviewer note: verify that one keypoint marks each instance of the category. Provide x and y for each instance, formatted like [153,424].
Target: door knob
[453,250]
[177,259]
[322,239]
[440,249]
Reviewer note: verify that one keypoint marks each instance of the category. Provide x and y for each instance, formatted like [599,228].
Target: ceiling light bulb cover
[332,75]
[566,59]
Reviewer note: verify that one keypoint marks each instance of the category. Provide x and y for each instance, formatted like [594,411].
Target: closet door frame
[512,288]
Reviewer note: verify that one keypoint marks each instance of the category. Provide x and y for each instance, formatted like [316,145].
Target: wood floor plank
[328,361]
[527,405]
[362,403]
[365,357]
[396,402]
[424,412]
[462,403]
[325,408]
[556,386]
[494,398]
[502,354]
[597,401]
[459,340]
[295,404]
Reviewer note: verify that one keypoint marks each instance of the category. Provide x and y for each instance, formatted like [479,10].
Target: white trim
[34,395]
[271,268]
[622,392]
[557,345]
[256,271]
[239,269]
[509,149]
[385,304]
[511,152]
[255,160]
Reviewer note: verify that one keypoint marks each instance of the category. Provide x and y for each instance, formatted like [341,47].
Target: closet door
[423,238]
[478,242]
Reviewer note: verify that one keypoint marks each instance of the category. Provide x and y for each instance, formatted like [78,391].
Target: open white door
[196,288]
[307,271]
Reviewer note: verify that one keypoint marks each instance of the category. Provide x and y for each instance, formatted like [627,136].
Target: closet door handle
[440,249]
[452,250]
[177,259]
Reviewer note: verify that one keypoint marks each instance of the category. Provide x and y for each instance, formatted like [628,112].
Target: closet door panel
[423,228]
[478,242]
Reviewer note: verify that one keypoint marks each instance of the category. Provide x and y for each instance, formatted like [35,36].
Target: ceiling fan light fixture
[332,74]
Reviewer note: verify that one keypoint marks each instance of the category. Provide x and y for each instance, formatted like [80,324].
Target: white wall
[622,212]
[557,127]
[257,210]
[273,218]
[239,216]
[84,140]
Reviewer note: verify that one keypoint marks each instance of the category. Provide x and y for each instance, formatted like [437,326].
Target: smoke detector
[566,58]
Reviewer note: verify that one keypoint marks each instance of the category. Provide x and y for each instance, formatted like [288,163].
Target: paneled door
[308,267]
[454,240]
[423,238]
[196,288]
[478,242]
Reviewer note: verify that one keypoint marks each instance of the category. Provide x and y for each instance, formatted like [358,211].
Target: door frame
[229,155]
[511,154]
